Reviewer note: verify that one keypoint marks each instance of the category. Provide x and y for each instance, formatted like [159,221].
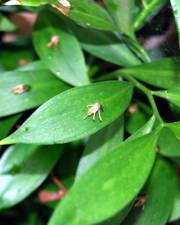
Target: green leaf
[175,214]
[176,9]
[100,144]
[22,169]
[160,189]
[86,12]
[149,9]
[65,59]
[122,13]
[14,57]
[175,127]
[37,82]
[168,143]
[172,95]
[116,174]
[146,129]
[62,119]
[106,46]
[164,73]
[135,120]
[6,124]
[90,14]
[6,25]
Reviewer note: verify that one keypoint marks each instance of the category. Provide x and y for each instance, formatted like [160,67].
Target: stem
[147,92]
[144,3]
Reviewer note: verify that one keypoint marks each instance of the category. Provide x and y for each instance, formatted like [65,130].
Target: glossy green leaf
[65,59]
[6,124]
[22,169]
[106,46]
[90,14]
[122,13]
[160,189]
[94,197]
[6,25]
[35,65]
[86,12]
[175,127]
[62,119]
[135,120]
[176,9]
[172,95]
[14,57]
[164,73]
[149,9]
[100,144]
[146,129]
[175,214]
[168,143]
[37,83]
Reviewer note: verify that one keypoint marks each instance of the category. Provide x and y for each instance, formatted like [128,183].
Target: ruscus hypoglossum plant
[89,112]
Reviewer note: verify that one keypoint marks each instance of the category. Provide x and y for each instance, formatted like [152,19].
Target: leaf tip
[4,142]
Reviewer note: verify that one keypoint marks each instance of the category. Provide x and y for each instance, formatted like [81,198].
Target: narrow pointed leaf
[122,13]
[176,9]
[164,73]
[65,59]
[62,119]
[109,185]
[168,143]
[22,169]
[90,14]
[36,83]
[160,188]
[106,46]
[172,95]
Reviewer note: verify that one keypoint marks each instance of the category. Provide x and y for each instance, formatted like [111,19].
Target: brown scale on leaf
[158,150]
[20,89]
[141,201]
[53,42]
[22,62]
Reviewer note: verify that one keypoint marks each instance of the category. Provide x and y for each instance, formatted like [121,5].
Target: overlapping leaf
[155,212]
[36,81]
[22,169]
[100,145]
[164,73]
[168,143]
[61,119]
[122,13]
[172,95]
[94,197]
[65,59]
